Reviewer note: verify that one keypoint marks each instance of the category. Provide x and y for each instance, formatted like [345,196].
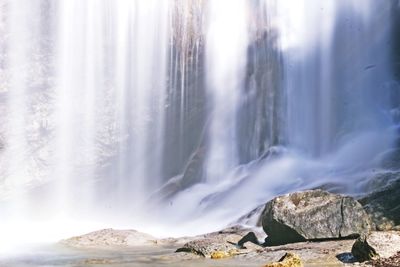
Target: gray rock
[313,215]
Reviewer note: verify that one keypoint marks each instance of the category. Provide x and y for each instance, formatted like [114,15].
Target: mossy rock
[289,260]
[223,254]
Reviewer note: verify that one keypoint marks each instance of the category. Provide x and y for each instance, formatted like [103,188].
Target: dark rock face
[191,175]
[250,237]
[383,206]
[362,251]
[313,215]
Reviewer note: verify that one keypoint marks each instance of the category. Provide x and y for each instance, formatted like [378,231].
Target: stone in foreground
[289,260]
[311,216]
[362,251]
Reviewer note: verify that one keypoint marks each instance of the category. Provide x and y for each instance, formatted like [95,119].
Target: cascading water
[197,111]
[330,90]
[226,50]
[336,123]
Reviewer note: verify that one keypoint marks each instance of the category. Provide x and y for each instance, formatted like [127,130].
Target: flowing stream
[152,114]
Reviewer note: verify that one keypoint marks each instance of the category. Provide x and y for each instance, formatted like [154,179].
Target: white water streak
[226,53]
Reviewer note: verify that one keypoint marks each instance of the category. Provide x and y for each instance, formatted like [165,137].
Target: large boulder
[313,215]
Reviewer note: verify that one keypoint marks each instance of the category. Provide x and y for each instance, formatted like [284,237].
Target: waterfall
[226,51]
[112,72]
[329,121]
[122,113]
[330,91]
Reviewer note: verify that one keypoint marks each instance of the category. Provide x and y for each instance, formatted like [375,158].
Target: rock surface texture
[313,215]
[111,238]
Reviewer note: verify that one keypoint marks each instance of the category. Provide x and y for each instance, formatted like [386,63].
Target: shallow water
[60,256]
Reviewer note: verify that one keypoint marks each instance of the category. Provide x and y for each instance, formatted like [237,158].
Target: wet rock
[362,251]
[191,175]
[383,205]
[313,215]
[289,260]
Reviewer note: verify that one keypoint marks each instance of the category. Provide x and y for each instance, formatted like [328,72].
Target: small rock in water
[289,260]
[362,251]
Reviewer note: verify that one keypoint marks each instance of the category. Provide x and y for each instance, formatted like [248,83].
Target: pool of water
[61,256]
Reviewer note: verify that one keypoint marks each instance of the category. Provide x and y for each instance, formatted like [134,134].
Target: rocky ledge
[310,228]
[221,245]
